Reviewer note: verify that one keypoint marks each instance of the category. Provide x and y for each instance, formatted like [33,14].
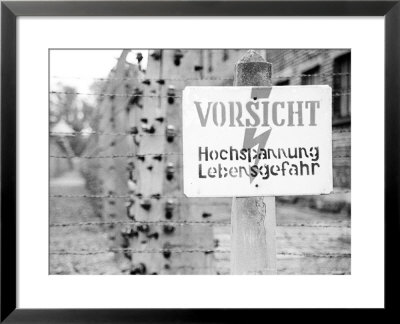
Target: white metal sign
[257,141]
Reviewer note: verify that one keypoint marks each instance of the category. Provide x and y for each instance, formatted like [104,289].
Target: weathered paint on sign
[257,141]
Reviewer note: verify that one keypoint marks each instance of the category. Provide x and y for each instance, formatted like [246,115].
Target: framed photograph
[164,158]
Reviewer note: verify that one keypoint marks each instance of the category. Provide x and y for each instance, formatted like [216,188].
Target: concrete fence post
[253,240]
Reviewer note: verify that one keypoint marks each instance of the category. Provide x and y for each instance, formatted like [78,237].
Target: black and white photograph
[200,161]
[197,161]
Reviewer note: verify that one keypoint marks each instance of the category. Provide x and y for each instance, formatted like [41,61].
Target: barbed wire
[178,200]
[114,94]
[337,94]
[137,251]
[130,133]
[160,222]
[318,225]
[185,266]
[316,255]
[190,223]
[113,156]
[92,196]
[105,134]
[137,155]
[155,196]
[198,79]
[196,250]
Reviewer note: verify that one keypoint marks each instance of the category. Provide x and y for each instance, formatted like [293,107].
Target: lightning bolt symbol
[251,141]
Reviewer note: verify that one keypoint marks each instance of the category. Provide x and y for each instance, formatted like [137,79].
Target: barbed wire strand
[130,250]
[161,222]
[316,255]
[197,250]
[113,94]
[113,156]
[318,225]
[337,94]
[199,79]
[104,134]
[190,223]
[127,133]
[155,196]
[137,155]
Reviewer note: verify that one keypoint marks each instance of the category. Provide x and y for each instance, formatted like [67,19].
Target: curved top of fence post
[252,70]
[251,56]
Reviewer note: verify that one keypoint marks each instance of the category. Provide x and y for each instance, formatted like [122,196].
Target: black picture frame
[9,13]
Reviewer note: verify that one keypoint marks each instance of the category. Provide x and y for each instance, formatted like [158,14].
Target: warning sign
[257,141]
